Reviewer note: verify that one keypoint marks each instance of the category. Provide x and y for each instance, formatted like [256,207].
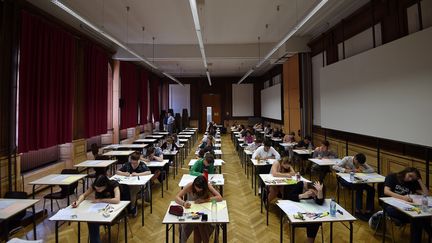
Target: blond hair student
[280,168]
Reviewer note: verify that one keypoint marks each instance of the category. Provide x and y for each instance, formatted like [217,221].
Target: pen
[339,211]
[138,178]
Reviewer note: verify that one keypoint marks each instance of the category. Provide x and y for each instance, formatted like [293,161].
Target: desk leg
[109,233]
[142,205]
[125,225]
[34,222]
[224,233]
[351,231]
[79,232]
[281,226]
[331,232]
[267,206]
[51,188]
[166,233]
[384,221]
[337,189]
[173,233]
[292,234]
[262,197]
[34,191]
[151,196]
[252,177]
[352,201]
[56,232]
[255,177]
[68,197]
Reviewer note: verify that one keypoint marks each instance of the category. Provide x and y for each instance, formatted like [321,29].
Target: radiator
[39,158]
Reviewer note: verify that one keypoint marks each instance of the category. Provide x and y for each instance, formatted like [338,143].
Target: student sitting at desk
[175,139]
[357,164]
[266,152]
[306,143]
[303,191]
[248,138]
[96,156]
[106,191]
[322,152]
[169,145]
[199,191]
[278,133]
[257,126]
[255,145]
[289,138]
[208,141]
[133,167]
[155,155]
[280,168]
[206,163]
[268,130]
[400,185]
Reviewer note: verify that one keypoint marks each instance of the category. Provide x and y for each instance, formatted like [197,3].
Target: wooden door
[213,101]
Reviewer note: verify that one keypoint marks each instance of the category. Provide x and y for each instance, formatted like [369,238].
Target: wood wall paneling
[291,95]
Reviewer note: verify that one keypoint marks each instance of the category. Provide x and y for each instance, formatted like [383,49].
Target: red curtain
[144,96]
[129,95]
[155,98]
[47,72]
[96,90]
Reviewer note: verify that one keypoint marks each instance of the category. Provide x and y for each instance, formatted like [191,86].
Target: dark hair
[308,138]
[258,140]
[209,158]
[325,143]
[401,174]
[150,150]
[135,156]
[292,134]
[94,148]
[100,181]
[267,143]
[201,182]
[201,152]
[361,158]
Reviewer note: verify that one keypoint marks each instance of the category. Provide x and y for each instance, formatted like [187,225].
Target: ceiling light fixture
[194,10]
[109,37]
[286,38]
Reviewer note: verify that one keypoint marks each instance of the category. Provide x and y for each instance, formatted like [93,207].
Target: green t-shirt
[198,168]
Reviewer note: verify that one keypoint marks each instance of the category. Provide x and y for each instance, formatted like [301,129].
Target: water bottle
[425,203]
[214,210]
[310,147]
[352,176]
[332,208]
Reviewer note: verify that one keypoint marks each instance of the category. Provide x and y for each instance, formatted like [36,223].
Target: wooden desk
[290,208]
[221,220]
[58,180]
[9,207]
[89,212]
[137,181]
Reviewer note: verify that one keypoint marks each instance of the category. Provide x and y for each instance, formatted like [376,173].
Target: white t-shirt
[260,152]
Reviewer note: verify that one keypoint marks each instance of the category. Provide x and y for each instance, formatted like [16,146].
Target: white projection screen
[179,98]
[271,104]
[385,92]
[242,100]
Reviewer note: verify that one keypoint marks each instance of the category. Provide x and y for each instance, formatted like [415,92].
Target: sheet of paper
[398,203]
[66,213]
[5,204]
[70,179]
[96,207]
[59,178]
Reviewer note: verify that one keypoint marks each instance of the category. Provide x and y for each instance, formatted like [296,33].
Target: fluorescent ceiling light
[286,38]
[197,25]
[108,36]
[208,77]
[245,76]
[172,78]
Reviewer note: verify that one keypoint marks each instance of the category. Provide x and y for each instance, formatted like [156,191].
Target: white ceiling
[230,29]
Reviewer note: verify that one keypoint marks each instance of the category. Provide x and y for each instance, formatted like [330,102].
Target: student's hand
[348,170]
[306,194]
[75,204]
[318,186]
[407,198]
[187,205]
[199,200]
[358,170]
[134,174]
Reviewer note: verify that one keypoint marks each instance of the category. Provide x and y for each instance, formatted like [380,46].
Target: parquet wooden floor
[247,224]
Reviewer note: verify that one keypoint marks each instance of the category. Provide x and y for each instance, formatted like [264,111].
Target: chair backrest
[17,195]
[69,190]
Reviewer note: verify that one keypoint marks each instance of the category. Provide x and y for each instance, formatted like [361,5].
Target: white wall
[242,100]
[271,104]
[179,98]
[361,42]
[385,92]
[317,65]
[413,17]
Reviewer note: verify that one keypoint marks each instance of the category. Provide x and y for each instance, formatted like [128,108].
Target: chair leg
[44,205]
[58,205]
[322,233]
[392,232]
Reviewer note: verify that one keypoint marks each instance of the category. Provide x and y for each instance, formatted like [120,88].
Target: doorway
[211,110]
